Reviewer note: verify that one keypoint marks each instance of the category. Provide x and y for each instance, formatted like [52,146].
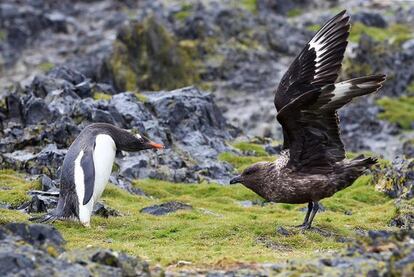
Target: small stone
[104,211]
[282,231]
[47,183]
[166,208]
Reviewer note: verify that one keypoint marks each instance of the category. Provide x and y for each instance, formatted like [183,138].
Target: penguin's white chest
[103,159]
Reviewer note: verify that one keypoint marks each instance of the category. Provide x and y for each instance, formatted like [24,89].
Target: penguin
[87,167]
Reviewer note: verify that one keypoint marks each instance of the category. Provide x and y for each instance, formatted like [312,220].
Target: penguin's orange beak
[156,145]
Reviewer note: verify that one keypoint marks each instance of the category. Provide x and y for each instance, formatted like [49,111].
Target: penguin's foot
[86,224]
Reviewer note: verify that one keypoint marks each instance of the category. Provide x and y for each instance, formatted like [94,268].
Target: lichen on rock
[147,57]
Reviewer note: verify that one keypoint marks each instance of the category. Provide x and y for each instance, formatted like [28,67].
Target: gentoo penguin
[87,167]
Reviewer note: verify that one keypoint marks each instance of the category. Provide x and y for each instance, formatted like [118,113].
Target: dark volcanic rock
[370,19]
[104,211]
[32,250]
[38,235]
[165,208]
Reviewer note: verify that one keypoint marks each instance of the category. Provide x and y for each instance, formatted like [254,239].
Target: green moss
[218,230]
[314,27]
[3,35]
[141,97]
[46,66]
[352,68]
[102,96]
[396,33]
[410,89]
[398,110]
[184,13]
[241,162]
[13,188]
[250,148]
[250,5]
[146,56]
[294,12]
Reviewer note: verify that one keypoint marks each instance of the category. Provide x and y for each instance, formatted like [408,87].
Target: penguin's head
[145,143]
[127,141]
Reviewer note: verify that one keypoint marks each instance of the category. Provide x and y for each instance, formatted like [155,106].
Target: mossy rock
[147,57]
[398,110]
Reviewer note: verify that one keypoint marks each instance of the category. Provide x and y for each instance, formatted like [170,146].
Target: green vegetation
[250,5]
[294,12]
[250,148]
[218,230]
[184,13]
[398,110]
[396,33]
[3,34]
[13,188]
[46,66]
[241,162]
[146,56]
[314,27]
[102,96]
[410,89]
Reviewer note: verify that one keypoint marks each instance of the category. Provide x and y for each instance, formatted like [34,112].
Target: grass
[218,231]
[13,188]
[250,5]
[241,162]
[250,148]
[294,12]
[398,110]
[396,33]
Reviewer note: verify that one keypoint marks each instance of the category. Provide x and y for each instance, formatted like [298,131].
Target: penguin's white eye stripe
[138,136]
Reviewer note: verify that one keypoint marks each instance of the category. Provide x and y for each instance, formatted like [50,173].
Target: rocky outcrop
[42,121]
[36,250]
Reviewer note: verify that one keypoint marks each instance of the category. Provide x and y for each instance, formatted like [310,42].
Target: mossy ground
[218,231]
[398,110]
[395,33]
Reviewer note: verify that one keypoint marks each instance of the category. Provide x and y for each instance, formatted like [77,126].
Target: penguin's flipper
[88,168]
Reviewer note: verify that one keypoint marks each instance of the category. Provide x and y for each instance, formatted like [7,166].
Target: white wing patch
[340,90]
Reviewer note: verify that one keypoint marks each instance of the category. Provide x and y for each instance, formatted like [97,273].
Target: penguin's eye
[138,136]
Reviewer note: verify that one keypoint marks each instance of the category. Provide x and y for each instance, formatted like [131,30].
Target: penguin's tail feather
[46,218]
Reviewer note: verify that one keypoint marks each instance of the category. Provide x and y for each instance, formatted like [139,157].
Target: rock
[46,161]
[158,61]
[38,235]
[35,205]
[47,183]
[104,262]
[35,111]
[165,208]
[36,250]
[397,179]
[408,149]
[104,211]
[372,19]
[282,231]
